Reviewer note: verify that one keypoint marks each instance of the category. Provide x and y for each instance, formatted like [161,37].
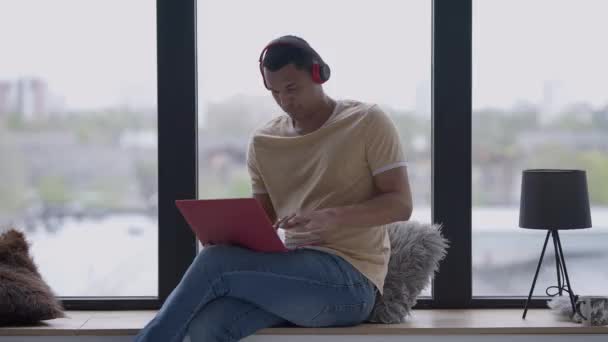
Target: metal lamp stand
[562,272]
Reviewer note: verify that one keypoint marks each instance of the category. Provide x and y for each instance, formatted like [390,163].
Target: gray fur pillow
[416,250]
[24,296]
[562,307]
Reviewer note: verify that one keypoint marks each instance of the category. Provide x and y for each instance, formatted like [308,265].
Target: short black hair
[280,55]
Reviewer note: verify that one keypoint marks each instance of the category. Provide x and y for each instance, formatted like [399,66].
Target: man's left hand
[311,221]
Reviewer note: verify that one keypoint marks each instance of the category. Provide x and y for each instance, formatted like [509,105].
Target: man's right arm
[266,203]
[258,187]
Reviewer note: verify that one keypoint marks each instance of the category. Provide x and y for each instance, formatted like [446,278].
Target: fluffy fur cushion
[24,296]
[416,250]
[561,306]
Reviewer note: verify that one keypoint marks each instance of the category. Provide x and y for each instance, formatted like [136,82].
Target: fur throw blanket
[416,250]
[24,296]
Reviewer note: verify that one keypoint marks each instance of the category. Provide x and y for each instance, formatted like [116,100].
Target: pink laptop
[239,221]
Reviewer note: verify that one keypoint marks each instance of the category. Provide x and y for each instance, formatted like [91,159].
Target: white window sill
[465,323]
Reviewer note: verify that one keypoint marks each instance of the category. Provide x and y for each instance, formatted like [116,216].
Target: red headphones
[320,70]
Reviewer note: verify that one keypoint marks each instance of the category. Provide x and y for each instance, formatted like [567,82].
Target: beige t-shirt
[330,167]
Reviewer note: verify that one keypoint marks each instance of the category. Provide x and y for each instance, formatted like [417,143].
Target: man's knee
[214,256]
[219,252]
[218,258]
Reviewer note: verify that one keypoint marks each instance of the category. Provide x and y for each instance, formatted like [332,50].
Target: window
[78,142]
[352,40]
[538,102]
[78,127]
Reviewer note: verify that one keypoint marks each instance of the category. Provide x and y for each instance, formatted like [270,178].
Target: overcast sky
[101,53]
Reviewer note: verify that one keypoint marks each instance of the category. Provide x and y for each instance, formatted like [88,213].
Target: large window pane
[378,51]
[539,101]
[78,141]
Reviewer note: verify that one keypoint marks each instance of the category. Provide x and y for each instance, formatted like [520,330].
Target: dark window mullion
[110,303]
[451,140]
[177,137]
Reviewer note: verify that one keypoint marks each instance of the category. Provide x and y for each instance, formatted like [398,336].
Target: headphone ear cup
[316,73]
[325,72]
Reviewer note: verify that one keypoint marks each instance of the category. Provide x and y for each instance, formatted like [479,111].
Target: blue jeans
[230,292]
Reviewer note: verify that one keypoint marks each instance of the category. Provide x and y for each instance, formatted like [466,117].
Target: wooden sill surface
[422,322]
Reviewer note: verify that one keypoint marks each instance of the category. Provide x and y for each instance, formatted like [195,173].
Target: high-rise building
[32,98]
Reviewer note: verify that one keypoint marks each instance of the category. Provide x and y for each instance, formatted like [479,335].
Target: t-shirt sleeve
[382,143]
[257,183]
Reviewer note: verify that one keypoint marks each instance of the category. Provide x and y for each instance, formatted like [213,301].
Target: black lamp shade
[554,199]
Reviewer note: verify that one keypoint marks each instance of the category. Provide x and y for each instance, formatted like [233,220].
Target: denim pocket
[341,314]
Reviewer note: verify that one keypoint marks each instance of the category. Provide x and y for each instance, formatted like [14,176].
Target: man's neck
[317,119]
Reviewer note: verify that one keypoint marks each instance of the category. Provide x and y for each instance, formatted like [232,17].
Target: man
[330,173]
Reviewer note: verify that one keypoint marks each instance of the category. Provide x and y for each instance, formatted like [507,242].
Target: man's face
[293,89]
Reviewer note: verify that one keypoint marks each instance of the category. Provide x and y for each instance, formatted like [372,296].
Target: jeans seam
[229,330]
[359,306]
[333,259]
[323,310]
[282,276]
[200,304]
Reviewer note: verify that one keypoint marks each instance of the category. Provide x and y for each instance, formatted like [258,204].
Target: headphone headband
[320,70]
[293,41]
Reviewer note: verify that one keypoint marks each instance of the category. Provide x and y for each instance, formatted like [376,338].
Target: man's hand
[311,221]
[279,223]
[306,227]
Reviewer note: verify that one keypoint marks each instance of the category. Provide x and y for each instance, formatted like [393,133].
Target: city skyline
[99,65]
